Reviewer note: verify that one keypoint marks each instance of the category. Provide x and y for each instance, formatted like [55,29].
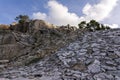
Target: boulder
[8,39]
[36,25]
[40,24]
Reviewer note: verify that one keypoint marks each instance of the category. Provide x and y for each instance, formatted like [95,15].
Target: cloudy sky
[62,12]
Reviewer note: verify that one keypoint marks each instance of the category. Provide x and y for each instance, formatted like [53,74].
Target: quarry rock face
[91,56]
[22,45]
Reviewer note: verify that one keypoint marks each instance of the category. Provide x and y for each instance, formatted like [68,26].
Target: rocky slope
[92,56]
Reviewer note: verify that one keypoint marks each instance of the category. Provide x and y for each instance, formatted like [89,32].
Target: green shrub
[93,25]
[82,25]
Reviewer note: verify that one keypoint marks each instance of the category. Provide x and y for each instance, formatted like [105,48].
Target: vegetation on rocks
[22,19]
[92,26]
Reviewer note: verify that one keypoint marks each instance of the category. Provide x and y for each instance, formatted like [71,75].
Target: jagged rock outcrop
[92,56]
[22,47]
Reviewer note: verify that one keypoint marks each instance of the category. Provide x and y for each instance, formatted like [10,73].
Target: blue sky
[9,9]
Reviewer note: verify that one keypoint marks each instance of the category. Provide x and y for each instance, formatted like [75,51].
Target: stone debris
[94,67]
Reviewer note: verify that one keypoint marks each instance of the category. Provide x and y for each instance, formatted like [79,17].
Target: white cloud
[114,16]
[99,11]
[60,15]
[113,25]
[39,15]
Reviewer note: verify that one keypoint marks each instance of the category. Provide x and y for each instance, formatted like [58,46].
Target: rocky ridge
[92,56]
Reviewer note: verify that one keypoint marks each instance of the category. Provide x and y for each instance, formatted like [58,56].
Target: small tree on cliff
[22,18]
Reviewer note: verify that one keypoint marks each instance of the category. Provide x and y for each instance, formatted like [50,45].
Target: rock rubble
[94,56]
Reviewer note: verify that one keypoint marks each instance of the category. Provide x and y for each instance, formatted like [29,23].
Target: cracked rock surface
[94,56]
